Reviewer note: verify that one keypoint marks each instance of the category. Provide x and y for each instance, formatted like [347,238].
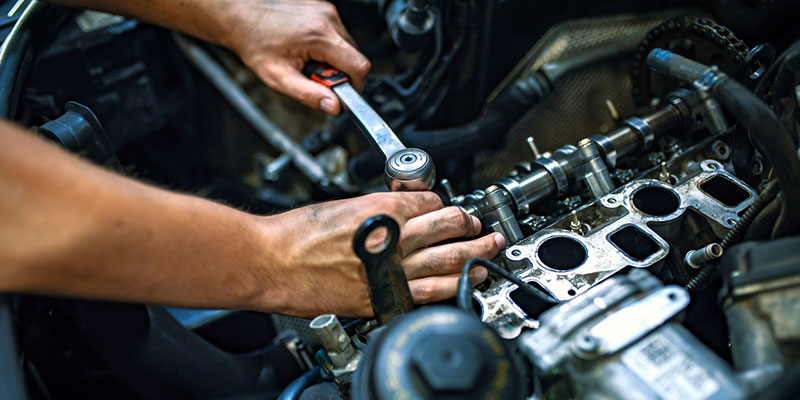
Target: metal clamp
[704,85]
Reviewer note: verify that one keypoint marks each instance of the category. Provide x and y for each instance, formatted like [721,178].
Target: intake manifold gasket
[624,236]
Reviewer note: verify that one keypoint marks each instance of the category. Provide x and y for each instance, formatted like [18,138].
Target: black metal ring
[369,226]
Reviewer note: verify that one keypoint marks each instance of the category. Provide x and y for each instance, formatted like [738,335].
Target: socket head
[410,170]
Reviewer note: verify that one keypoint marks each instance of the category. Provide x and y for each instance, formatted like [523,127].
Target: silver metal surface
[406,169]
[534,150]
[607,148]
[369,121]
[501,214]
[556,172]
[619,340]
[517,193]
[550,346]
[696,258]
[611,214]
[340,349]
[643,128]
[410,170]
[639,319]
[218,77]
[594,171]
[333,338]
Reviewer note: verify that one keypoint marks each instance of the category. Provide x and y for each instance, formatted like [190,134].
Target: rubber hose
[488,130]
[762,225]
[778,147]
[295,389]
[734,235]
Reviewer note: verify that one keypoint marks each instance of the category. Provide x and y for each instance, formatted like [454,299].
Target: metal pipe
[333,338]
[242,103]
[696,258]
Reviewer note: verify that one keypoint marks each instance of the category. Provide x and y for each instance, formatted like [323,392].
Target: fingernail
[481,274]
[327,105]
[500,240]
[476,225]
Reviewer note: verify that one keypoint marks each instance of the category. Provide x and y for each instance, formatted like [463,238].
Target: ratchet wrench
[407,169]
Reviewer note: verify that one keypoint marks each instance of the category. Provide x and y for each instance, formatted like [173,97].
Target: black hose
[464,294]
[734,236]
[766,129]
[295,389]
[778,147]
[488,130]
[764,222]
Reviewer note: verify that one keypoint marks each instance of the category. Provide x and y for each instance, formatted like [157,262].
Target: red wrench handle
[324,74]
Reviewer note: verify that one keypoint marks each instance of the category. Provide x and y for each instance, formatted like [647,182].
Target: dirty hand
[275,38]
[320,273]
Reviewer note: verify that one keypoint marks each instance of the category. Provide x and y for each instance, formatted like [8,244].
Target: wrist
[265,267]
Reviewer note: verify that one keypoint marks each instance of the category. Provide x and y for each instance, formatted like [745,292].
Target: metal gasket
[604,258]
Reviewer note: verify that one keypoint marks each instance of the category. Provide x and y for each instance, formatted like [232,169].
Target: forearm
[70,228]
[207,19]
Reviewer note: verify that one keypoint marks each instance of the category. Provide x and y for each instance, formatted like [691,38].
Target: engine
[641,161]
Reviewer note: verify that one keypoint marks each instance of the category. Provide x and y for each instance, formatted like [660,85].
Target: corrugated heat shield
[577,108]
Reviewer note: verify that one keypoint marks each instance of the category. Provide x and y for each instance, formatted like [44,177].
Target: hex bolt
[448,363]
[696,258]
[587,344]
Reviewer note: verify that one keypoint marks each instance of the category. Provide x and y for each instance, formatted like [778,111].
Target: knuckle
[363,67]
[454,258]
[488,246]
[456,217]
[329,10]
[315,28]
[386,203]
[425,291]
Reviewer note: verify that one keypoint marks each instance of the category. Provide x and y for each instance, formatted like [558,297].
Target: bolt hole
[672,296]
[571,292]
[516,253]
[447,356]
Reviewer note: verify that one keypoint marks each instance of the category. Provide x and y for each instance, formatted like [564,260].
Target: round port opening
[562,253]
[656,201]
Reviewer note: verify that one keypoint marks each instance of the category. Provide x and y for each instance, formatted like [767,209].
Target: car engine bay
[641,159]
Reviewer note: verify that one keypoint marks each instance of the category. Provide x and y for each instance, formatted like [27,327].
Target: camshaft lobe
[554,175]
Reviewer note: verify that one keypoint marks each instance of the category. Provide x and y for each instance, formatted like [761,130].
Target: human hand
[320,273]
[275,38]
